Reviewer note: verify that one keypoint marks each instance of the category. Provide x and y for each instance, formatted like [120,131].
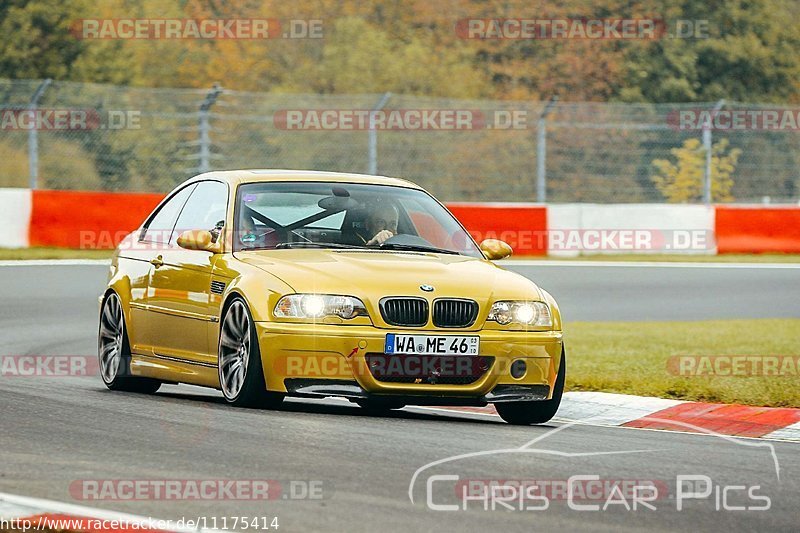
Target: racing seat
[354,226]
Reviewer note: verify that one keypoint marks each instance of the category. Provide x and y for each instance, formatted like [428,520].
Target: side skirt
[171,369]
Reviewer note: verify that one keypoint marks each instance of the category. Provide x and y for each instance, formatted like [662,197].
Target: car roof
[236,177]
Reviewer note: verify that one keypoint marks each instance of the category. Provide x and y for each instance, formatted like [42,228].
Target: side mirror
[495,249]
[198,239]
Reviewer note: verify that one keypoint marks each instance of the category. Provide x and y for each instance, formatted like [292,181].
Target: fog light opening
[518,369]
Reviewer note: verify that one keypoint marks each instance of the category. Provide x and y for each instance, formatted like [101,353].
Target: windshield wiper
[316,245]
[416,248]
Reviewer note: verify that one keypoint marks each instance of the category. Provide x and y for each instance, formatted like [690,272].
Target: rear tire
[114,351]
[241,376]
[527,413]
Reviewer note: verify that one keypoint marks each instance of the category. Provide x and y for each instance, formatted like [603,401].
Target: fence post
[707,145]
[372,163]
[541,151]
[33,136]
[205,138]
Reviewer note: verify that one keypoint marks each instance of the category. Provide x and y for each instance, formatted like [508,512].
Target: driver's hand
[380,238]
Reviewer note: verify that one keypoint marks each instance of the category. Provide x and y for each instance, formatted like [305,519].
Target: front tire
[114,351]
[527,413]
[241,376]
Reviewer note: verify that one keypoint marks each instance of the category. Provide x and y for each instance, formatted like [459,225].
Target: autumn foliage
[748,51]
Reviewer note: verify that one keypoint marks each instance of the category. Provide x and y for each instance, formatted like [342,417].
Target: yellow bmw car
[273,283]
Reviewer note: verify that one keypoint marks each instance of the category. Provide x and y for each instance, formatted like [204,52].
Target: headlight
[318,306]
[525,313]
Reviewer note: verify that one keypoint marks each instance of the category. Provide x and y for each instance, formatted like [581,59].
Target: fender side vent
[217,287]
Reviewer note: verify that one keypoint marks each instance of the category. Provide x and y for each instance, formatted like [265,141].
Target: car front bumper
[333,360]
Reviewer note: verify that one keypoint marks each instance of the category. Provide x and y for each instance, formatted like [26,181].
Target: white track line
[645,264]
[54,262]
[15,506]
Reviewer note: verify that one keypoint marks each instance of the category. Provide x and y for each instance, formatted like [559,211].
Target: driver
[381,222]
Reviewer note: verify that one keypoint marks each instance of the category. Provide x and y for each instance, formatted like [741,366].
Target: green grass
[631,358]
[724,258]
[7,254]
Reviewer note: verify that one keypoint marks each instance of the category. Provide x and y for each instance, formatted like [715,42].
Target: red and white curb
[623,410]
[24,513]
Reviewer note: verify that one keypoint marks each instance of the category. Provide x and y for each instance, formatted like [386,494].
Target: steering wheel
[408,240]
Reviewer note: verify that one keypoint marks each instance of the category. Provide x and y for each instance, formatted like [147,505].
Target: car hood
[375,274]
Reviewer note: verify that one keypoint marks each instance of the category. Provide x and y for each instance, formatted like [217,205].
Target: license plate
[398,344]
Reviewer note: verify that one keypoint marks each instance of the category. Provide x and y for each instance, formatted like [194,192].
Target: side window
[205,209]
[160,227]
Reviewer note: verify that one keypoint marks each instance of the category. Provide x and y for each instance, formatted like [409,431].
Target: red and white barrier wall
[15,217]
[758,229]
[79,219]
[588,229]
[523,226]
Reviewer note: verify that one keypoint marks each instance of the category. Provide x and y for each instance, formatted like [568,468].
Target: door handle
[157,262]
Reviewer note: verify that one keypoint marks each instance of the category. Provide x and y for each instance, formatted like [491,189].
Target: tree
[682,181]
[744,51]
[40,41]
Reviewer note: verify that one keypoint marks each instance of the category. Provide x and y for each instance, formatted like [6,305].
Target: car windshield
[277,215]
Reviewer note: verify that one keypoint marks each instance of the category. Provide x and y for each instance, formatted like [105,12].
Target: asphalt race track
[693,291]
[57,432]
